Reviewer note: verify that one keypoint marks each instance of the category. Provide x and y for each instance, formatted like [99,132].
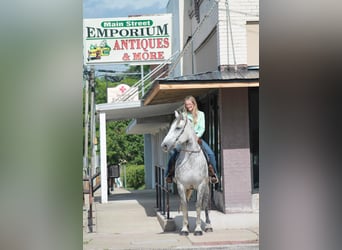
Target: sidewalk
[129,221]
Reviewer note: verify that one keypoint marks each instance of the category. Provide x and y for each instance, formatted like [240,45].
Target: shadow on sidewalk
[146,198]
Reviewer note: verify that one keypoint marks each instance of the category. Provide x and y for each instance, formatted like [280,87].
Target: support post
[142,81]
[103,158]
[86,126]
[92,120]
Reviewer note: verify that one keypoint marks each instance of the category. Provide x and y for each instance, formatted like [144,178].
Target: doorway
[253,103]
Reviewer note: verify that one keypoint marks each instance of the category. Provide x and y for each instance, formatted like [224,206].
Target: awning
[135,109]
[150,125]
[171,90]
[167,95]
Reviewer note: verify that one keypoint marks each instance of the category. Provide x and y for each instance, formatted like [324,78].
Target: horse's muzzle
[165,147]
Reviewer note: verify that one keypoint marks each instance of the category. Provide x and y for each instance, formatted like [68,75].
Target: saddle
[213,178]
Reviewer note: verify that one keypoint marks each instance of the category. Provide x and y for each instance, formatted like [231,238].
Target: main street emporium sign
[138,39]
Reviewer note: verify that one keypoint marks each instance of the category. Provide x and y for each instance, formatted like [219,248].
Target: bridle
[185,150]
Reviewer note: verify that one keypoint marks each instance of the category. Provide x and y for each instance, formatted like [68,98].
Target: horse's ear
[176,114]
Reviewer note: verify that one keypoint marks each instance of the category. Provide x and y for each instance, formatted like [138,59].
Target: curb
[168,225]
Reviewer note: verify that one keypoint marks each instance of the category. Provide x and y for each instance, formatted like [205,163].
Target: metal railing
[144,84]
[162,192]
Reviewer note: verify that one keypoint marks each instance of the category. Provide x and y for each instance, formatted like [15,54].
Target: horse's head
[177,134]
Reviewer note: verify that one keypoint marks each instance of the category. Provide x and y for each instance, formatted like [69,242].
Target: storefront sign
[139,39]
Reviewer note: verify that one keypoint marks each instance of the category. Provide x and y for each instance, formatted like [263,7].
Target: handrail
[162,192]
[93,188]
[135,88]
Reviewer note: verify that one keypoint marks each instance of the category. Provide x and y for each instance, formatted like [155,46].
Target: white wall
[241,11]
[176,8]
[159,157]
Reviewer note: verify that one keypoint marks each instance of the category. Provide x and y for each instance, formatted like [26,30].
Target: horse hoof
[198,233]
[184,233]
[208,230]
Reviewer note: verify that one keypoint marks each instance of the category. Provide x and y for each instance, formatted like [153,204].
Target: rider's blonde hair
[194,110]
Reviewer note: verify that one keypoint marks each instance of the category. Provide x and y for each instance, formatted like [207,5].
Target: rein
[186,122]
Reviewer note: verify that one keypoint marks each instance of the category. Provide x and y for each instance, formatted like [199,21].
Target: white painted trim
[103,155]
[118,105]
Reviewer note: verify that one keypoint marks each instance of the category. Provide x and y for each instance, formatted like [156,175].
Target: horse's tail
[188,194]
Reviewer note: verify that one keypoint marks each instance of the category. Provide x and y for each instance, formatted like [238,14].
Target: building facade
[219,47]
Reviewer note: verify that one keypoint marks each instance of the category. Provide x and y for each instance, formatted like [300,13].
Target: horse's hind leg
[208,227]
[206,200]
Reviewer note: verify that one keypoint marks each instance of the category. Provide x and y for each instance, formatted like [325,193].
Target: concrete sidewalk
[129,221]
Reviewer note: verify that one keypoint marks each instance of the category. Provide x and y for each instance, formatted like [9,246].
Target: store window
[252,43]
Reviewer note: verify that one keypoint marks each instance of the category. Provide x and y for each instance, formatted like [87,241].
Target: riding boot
[213,177]
[171,174]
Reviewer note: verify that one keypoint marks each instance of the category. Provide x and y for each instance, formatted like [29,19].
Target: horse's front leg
[200,194]
[198,229]
[181,192]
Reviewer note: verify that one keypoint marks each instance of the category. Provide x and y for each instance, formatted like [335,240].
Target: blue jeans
[205,147]
[207,150]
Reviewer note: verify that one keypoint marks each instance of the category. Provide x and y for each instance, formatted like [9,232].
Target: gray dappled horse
[191,170]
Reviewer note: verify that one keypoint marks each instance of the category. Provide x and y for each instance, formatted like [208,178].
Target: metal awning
[171,90]
[146,119]
[135,109]
[167,95]
[150,125]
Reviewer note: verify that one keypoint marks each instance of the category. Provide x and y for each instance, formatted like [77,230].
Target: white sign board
[114,93]
[138,39]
